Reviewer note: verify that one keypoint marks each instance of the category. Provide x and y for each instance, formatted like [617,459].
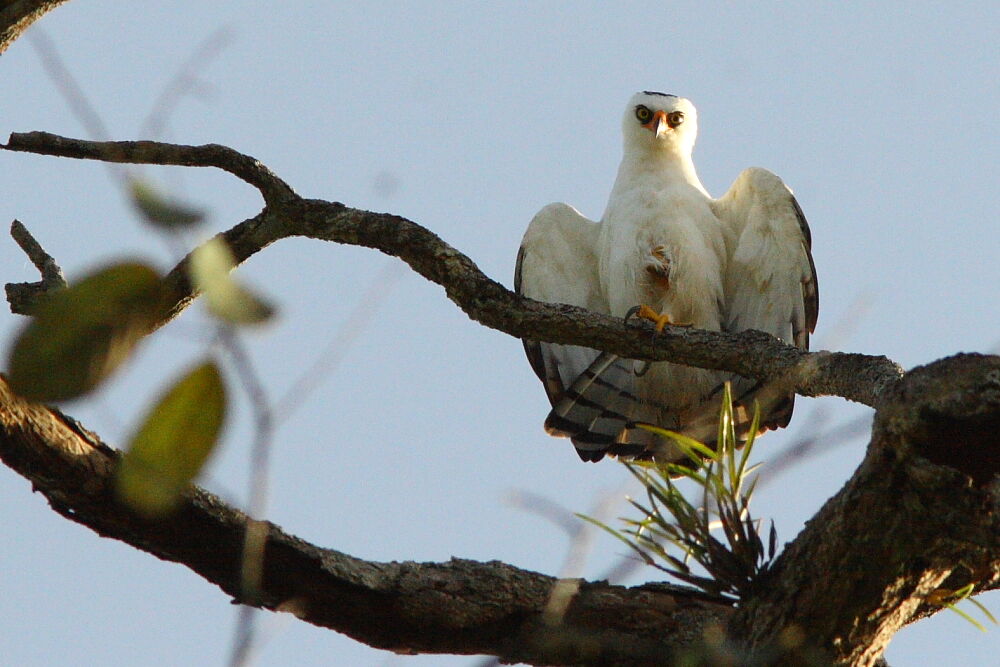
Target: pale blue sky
[881,116]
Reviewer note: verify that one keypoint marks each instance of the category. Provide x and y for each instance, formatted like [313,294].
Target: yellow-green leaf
[174,442]
[80,335]
[210,269]
[689,446]
[161,211]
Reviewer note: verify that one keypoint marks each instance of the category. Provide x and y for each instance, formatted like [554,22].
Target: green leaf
[675,531]
[690,447]
[967,617]
[982,608]
[210,267]
[611,531]
[161,211]
[727,433]
[751,439]
[174,442]
[81,334]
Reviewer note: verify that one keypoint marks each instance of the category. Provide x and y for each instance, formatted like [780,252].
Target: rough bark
[931,465]
[460,606]
[18,15]
[921,513]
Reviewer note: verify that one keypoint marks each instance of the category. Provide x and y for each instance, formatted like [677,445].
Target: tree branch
[857,377]
[22,296]
[921,512]
[244,167]
[17,15]
[902,527]
[461,607]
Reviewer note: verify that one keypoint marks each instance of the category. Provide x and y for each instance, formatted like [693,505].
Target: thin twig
[23,297]
[836,436]
[184,82]
[73,94]
[66,84]
[359,318]
[255,538]
[548,509]
[52,274]
[581,538]
[242,166]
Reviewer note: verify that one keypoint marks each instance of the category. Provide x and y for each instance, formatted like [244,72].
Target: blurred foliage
[174,442]
[78,336]
[210,270]
[160,211]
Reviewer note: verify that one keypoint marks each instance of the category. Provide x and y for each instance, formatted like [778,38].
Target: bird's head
[660,122]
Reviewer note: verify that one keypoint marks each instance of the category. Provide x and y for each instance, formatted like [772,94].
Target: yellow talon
[659,319]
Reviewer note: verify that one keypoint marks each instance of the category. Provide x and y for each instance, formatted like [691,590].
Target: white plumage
[735,263]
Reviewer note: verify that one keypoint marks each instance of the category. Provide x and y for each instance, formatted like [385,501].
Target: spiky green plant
[674,532]
[950,599]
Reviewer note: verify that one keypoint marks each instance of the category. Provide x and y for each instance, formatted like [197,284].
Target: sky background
[467,119]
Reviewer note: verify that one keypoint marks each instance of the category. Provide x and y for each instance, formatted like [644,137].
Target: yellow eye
[675,118]
[643,114]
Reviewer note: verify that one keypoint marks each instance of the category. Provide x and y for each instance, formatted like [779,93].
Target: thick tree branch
[901,528]
[461,606]
[754,354]
[921,512]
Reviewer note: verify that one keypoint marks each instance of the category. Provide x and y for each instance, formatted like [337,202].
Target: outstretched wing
[556,263]
[770,279]
[592,393]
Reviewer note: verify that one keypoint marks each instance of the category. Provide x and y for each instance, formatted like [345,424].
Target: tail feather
[601,412]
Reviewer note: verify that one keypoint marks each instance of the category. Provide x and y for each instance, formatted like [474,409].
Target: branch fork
[918,499]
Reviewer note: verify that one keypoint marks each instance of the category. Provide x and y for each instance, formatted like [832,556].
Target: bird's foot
[658,266]
[659,319]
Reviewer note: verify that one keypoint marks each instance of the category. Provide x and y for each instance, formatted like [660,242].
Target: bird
[665,248]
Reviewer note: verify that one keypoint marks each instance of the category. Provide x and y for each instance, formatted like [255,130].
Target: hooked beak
[658,125]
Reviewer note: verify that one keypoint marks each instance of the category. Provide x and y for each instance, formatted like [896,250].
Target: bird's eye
[675,118]
[643,114]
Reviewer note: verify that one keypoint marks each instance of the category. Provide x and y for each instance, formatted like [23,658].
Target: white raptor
[740,262]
